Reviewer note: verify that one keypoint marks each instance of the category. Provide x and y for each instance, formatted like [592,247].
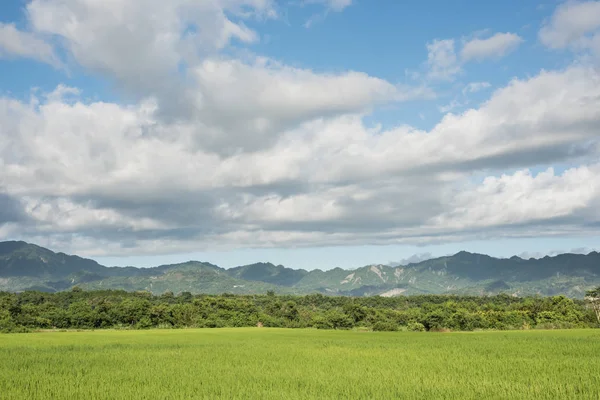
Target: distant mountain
[24,259]
[25,266]
[192,276]
[267,272]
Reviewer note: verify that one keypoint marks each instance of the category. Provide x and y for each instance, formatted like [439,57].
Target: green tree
[355,311]
[185,297]
[290,310]
[6,322]
[338,319]
[435,320]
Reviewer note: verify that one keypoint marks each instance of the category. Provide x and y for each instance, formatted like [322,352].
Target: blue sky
[315,134]
[350,257]
[382,39]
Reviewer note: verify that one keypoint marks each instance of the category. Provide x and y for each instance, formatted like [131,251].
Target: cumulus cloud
[170,53]
[441,59]
[19,44]
[496,46]
[444,63]
[142,44]
[249,103]
[574,25]
[523,198]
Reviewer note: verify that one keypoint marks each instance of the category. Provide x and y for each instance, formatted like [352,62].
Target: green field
[261,363]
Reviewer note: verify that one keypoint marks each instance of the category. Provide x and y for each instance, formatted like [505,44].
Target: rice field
[261,363]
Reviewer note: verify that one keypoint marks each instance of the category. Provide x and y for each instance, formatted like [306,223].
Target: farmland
[270,363]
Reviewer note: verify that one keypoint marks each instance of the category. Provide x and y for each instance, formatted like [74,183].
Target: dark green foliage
[80,309]
[385,326]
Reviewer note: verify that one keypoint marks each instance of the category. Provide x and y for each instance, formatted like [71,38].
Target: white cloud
[247,105]
[339,5]
[15,44]
[574,25]
[143,43]
[524,198]
[415,258]
[450,106]
[496,46]
[334,5]
[331,6]
[441,59]
[235,104]
[459,101]
[474,87]
[444,64]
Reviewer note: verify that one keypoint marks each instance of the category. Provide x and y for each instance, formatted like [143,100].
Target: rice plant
[266,363]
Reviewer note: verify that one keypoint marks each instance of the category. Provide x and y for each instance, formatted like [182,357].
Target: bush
[15,329]
[435,320]
[385,326]
[144,323]
[322,323]
[209,323]
[416,327]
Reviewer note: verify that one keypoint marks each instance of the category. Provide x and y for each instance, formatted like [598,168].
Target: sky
[308,133]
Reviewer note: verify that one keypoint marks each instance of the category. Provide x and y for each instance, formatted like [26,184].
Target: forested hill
[25,266]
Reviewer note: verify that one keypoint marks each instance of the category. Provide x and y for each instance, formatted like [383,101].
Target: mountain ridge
[26,266]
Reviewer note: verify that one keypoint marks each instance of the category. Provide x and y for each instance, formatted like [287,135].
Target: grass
[252,363]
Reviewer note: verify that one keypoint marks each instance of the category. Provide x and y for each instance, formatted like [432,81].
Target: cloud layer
[222,150]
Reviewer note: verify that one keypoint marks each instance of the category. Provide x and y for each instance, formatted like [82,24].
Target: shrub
[144,323]
[416,327]
[385,326]
[320,322]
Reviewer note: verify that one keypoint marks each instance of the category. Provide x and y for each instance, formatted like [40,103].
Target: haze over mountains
[25,266]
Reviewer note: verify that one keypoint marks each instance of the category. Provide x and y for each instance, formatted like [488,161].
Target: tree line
[104,309]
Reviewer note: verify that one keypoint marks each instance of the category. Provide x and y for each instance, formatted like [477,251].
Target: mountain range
[25,266]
